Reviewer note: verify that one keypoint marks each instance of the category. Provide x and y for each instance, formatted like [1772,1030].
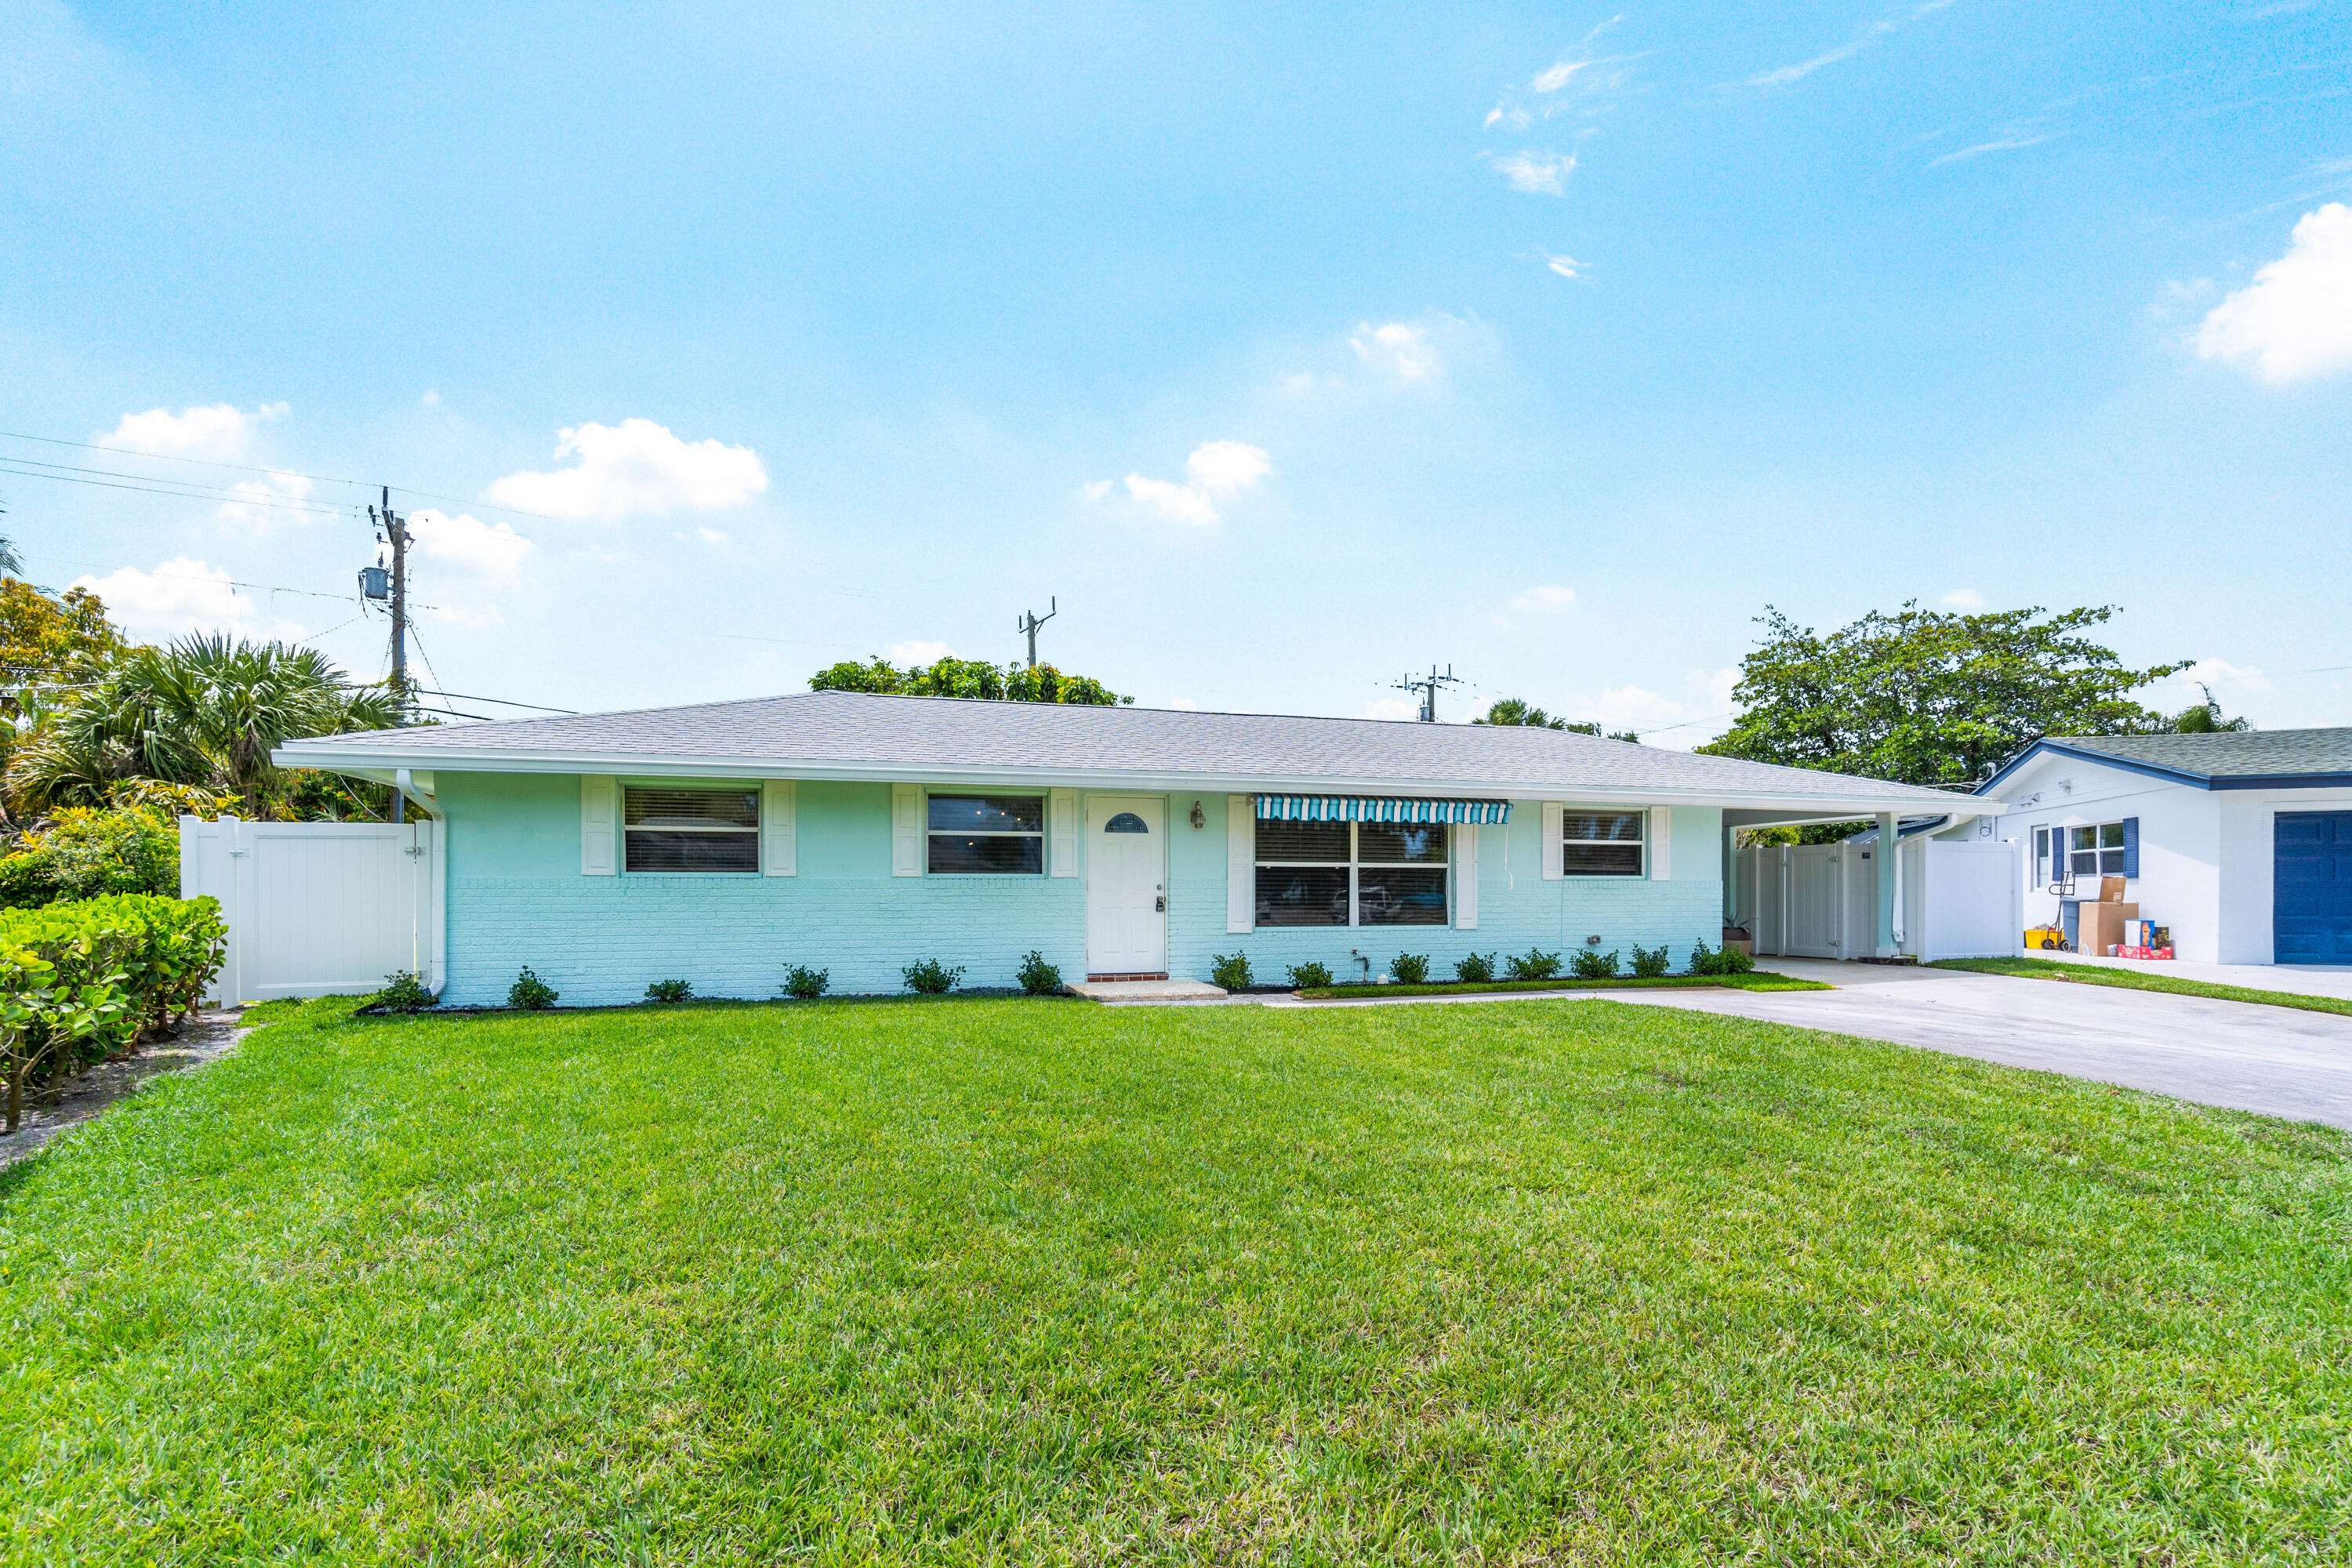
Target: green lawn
[1755,980]
[2142,980]
[1014,1281]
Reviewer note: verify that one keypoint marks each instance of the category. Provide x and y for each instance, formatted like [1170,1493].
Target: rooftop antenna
[1427,686]
[1029,623]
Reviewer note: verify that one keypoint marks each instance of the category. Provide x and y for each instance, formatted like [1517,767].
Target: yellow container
[2053,938]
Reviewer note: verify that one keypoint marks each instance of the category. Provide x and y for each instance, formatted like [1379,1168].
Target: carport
[1947,890]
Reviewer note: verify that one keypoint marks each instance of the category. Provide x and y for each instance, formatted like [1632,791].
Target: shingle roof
[822,731]
[2241,756]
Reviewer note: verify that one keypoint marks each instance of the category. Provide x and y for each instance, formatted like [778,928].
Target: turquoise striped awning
[1377,808]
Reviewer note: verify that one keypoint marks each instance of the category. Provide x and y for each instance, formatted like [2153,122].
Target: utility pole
[1029,623]
[1427,686]
[392,529]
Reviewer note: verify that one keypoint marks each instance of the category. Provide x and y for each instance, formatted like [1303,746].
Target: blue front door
[2311,887]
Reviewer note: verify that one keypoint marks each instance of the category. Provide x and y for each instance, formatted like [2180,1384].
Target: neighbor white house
[2241,843]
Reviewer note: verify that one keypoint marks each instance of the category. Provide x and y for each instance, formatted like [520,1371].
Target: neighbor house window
[2097,850]
[1349,873]
[2042,855]
[1601,843]
[692,829]
[988,833]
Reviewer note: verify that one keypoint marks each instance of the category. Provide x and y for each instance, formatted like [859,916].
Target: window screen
[978,835]
[1341,873]
[1601,843]
[2097,850]
[691,829]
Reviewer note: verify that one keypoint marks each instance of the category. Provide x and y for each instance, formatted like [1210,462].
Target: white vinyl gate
[1961,898]
[317,908]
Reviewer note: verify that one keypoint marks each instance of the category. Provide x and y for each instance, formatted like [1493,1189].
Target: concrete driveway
[2277,1060]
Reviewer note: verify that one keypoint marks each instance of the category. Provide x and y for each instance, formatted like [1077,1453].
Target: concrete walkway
[2304,979]
[2278,1060]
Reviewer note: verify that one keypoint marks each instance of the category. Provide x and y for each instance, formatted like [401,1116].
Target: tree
[50,647]
[1925,697]
[206,711]
[1512,711]
[2205,718]
[970,678]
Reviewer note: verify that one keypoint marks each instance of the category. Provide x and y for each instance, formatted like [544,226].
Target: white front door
[1127,884]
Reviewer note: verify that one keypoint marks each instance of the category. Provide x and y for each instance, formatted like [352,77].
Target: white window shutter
[1240,864]
[600,824]
[779,829]
[1063,804]
[1661,843]
[1551,830]
[1466,876]
[906,830]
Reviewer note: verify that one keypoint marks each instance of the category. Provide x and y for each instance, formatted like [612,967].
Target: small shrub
[1231,972]
[1410,968]
[1537,964]
[530,993]
[1475,970]
[1720,960]
[1594,964]
[1649,963]
[403,991]
[669,990]
[1038,977]
[805,983]
[1304,976]
[931,978]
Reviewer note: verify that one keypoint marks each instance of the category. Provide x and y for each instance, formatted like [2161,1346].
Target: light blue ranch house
[859,834]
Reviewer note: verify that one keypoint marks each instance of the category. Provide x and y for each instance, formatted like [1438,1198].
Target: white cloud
[1400,349]
[1784,75]
[2293,322]
[1220,470]
[2221,672]
[1545,596]
[714,536]
[183,595]
[1964,599]
[636,466]
[1183,705]
[476,614]
[917,652]
[493,549]
[265,503]
[1390,708]
[215,430]
[1566,265]
[1981,148]
[432,398]
[1538,174]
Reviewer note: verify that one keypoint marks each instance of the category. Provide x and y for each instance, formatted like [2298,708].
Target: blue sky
[1289,349]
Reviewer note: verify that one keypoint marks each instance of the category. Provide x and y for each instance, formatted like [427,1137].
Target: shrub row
[1232,970]
[81,980]
[928,977]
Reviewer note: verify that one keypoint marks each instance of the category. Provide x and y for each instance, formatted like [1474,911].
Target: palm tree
[206,711]
[1512,711]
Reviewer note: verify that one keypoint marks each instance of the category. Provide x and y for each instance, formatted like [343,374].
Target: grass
[1755,980]
[2139,980]
[1022,1282]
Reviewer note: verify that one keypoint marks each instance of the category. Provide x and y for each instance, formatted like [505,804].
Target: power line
[169,458]
[501,701]
[282,503]
[228,582]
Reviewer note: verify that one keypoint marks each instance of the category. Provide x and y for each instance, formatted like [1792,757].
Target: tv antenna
[1029,623]
[1427,686]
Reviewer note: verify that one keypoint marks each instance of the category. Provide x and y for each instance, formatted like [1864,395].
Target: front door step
[1158,989]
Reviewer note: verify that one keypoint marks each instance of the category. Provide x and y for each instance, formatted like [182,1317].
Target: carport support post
[1889,849]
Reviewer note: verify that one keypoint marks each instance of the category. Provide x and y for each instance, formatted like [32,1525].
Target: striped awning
[1377,808]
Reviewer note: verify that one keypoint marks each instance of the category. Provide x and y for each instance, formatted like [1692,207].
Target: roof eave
[379,762]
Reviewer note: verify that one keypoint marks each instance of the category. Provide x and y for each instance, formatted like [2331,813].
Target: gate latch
[1160,905]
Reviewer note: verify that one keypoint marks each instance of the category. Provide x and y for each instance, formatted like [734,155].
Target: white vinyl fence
[317,908]
[1961,898]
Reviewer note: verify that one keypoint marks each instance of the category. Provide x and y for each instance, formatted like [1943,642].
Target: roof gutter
[2172,776]
[383,764]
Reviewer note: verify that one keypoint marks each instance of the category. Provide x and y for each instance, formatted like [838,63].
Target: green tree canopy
[1925,698]
[1512,711]
[973,678]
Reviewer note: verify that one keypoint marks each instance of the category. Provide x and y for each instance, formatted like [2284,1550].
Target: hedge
[81,980]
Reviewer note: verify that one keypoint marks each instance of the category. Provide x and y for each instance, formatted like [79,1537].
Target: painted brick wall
[516,896]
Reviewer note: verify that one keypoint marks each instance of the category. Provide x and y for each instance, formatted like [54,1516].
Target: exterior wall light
[1199,817]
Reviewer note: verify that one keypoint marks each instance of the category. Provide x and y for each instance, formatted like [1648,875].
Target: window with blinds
[1601,843]
[1349,873]
[978,835]
[712,830]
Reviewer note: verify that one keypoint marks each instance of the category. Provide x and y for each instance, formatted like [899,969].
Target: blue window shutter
[2131,845]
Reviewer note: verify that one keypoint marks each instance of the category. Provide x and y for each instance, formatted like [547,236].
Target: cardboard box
[2100,927]
[2143,952]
